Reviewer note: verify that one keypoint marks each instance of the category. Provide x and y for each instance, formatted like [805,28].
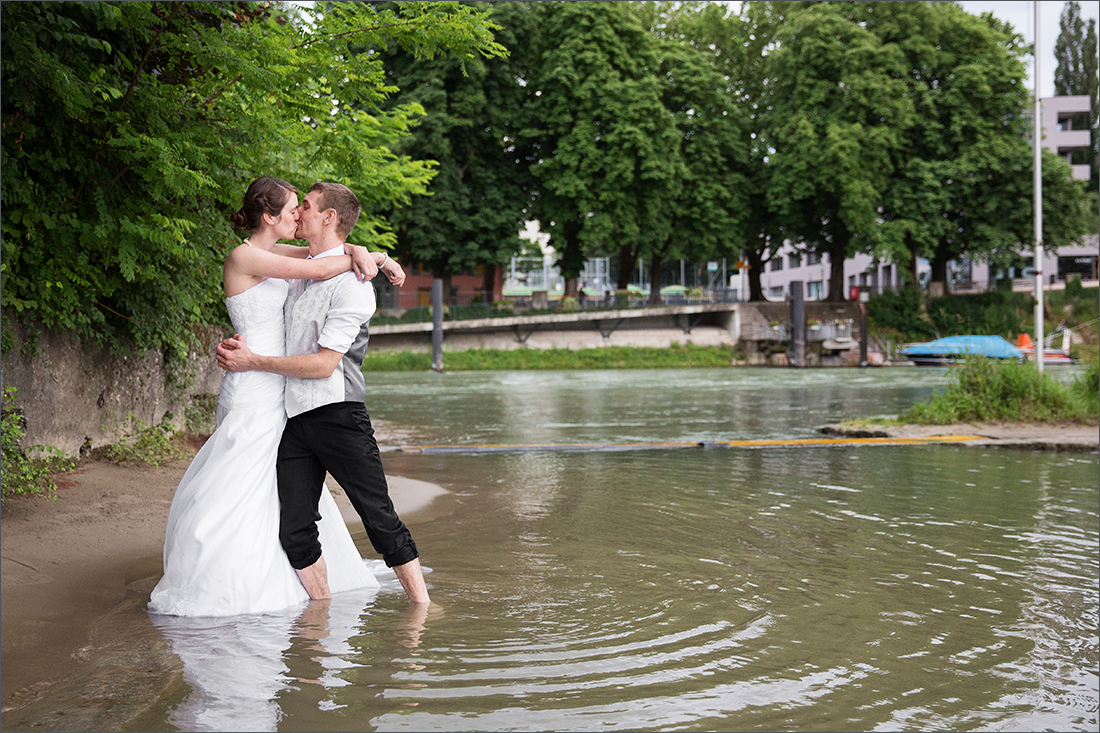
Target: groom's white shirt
[331,314]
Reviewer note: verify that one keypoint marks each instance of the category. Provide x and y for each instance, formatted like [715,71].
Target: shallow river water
[685,588]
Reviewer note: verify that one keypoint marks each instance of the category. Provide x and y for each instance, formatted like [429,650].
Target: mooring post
[864,297]
[437,324]
[798,326]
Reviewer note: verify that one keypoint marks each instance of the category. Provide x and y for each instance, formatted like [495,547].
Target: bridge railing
[410,309]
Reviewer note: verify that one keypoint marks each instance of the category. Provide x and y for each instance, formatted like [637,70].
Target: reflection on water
[810,588]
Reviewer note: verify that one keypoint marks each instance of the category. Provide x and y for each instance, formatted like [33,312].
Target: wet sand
[1053,437]
[66,563]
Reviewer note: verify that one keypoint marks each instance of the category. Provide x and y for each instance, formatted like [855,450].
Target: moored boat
[954,349]
[1051,355]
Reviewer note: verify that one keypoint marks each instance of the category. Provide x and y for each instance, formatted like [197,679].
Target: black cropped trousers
[339,439]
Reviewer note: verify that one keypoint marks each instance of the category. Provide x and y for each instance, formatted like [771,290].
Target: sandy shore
[65,563]
[1069,438]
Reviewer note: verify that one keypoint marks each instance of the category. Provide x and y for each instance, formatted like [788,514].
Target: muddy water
[902,587]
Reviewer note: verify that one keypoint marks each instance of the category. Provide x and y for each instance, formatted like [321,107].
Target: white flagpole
[1038,204]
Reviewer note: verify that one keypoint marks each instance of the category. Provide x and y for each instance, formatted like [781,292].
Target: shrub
[20,473]
[983,390]
[146,444]
[994,312]
[901,312]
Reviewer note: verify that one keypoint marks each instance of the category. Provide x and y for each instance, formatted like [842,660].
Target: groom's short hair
[341,199]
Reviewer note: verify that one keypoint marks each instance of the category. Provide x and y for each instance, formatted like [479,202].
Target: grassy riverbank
[982,390]
[611,357]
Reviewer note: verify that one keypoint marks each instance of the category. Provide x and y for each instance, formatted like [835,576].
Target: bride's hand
[393,271]
[362,262]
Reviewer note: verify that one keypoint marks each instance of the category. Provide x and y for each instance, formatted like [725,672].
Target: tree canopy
[131,129]
[476,204]
[633,130]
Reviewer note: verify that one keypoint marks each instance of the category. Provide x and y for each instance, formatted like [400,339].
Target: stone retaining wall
[74,396]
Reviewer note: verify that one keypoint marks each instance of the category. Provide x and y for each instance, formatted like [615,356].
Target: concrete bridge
[758,327]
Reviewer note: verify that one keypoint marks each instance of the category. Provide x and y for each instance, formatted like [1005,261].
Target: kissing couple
[252,527]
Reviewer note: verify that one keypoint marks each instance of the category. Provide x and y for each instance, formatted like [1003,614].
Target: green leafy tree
[603,144]
[130,130]
[713,193]
[476,203]
[1077,73]
[963,185]
[838,109]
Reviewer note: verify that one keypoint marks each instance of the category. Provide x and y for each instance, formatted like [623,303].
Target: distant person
[328,428]
[222,554]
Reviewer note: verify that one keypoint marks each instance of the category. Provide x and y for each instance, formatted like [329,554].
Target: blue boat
[954,349]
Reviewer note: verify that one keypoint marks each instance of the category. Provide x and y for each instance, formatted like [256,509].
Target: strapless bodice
[257,314]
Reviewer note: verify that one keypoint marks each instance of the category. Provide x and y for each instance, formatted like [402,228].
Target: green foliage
[983,390]
[611,357]
[837,113]
[1076,304]
[131,130]
[606,149]
[901,311]
[145,444]
[711,188]
[22,474]
[476,202]
[992,313]
[199,417]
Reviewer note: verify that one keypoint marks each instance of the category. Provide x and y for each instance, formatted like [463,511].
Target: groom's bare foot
[412,580]
[315,579]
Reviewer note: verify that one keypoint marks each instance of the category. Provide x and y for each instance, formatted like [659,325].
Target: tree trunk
[570,287]
[756,268]
[627,259]
[492,283]
[939,271]
[837,253]
[655,280]
[914,271]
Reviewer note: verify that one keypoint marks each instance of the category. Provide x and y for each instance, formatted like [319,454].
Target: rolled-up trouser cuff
[304,562]
[407,553]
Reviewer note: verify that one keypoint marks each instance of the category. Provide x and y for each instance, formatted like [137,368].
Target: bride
[222,554]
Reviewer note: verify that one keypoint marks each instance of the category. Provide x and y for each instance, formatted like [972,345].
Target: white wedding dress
[221,549]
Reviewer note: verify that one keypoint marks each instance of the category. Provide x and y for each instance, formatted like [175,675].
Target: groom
[328,428]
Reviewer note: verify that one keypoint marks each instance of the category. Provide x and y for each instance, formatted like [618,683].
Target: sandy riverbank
[1069,438]
[67,562]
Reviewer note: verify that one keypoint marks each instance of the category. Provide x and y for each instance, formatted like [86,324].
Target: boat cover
[994,347]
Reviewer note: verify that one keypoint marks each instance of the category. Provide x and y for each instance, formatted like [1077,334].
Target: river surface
[684,588]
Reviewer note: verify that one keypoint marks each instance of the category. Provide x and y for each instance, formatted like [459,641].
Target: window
[775,264]
[794,260]
[813,290]
[776,292]
[887,277]
[813,258]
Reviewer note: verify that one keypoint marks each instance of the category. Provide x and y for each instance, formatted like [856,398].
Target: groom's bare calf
[412,580]
[315,579]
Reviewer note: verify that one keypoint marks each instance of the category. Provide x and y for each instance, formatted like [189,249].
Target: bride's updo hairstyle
[266,195]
